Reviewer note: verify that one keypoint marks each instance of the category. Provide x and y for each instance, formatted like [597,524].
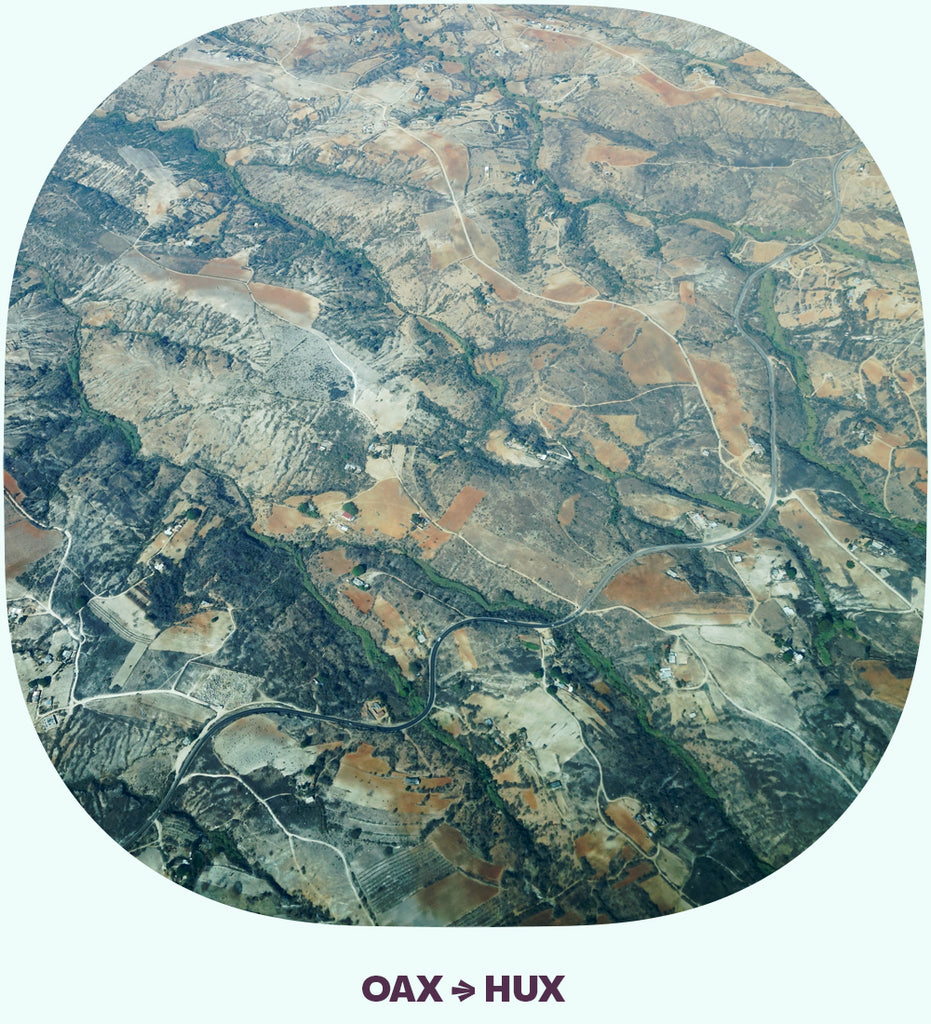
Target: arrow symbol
[463,990]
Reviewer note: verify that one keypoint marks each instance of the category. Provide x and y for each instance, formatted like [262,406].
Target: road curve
[280,708]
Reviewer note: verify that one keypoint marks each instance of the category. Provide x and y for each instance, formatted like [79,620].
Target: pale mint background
[91,935]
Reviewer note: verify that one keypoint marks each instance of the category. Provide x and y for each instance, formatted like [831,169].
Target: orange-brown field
[879,449]
[283,521]
[451,843]
[670,94]
[613,328]
[455,517]
[599,849]
[708,225]
[552,41]
[296,307]
[464,647]
[462,507]
[914,466]
[547,918]
[448,899]
[363,600]
[386,509]
[567,510]
[202,633]
[634,873]
[25,543]
[227,266]
[757,59]
[654,358]
[646,588]
[883,684]
[873,369]
[673,96]
[371,782]
[389,617]
[610,455]
[12,487]
[337,561]
[626,429]
[395,144]
[564,286]
[563,413]
[631,828]
[530,799]
[719,386]
[616,156]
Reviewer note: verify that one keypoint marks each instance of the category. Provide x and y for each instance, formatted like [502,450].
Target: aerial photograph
[465,465]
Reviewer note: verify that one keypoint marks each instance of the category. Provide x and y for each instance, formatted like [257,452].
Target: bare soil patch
[654,358]
[12,487]
[337,561]
[330,502]
[565,286]
[646,587]
[363,600]
[464,647]
[914,466]
[436,228]
[610,455]
[369,781]
[757,59]
[386,509]
[455,158]
[634,873]
[613,328]
[664,897]
[391,619]
[763,252]
[296,307]
[431,539]
[462,507]
[599,849]
[495,444]
[545,355]
[451,843]
[449,899]
[232,267]
[562,413]
[504,289]
[720,388]
[547,918]
[626,429]
[25,543]
[567,510]
[625,821]
[873,369]
[616,156]
[284,520]
[883,684]
[670,94]
[203,633]
[709,225]
[487,362]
